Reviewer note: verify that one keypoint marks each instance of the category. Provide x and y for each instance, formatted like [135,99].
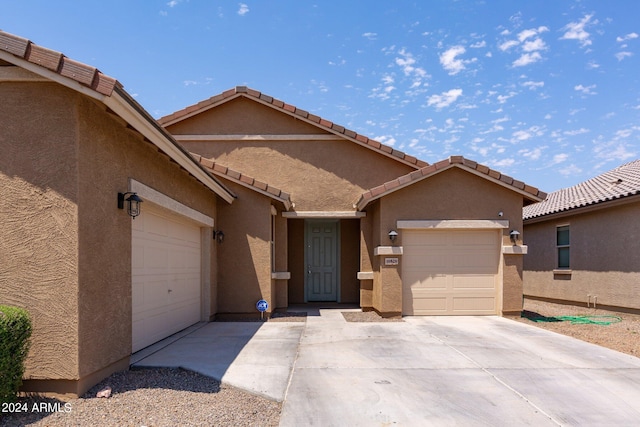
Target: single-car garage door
[450,272]
[166,277]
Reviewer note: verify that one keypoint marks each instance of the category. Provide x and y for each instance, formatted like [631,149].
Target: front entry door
[321,257]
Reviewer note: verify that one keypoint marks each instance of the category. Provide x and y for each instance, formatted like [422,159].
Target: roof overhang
[529,193]
[123,105]
[635,198]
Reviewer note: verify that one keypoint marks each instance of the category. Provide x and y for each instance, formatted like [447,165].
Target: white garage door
[449,272]
[165,276]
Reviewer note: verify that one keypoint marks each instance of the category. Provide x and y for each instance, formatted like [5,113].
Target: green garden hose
[576,320]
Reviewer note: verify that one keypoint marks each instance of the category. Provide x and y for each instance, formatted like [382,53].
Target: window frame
[563,247]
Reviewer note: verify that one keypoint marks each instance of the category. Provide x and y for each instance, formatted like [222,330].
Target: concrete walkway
[254,356]
[423,371]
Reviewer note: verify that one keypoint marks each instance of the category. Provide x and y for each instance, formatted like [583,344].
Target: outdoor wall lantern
[218,236]
[133,208]
[393,235]
[514,236]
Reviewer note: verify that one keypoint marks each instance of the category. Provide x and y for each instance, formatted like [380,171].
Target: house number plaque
[391,261]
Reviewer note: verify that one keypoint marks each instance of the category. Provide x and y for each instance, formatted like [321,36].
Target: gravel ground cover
[623,336]
[152,397]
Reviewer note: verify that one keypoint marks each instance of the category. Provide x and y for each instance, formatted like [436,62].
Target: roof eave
[363,202]
[578,210]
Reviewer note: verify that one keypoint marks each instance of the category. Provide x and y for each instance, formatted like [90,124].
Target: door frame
[307,252]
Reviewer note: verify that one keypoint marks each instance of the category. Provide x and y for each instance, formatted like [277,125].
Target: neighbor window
[562,243]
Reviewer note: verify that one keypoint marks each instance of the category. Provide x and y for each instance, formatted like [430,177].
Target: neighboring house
[244,197]
[585,242]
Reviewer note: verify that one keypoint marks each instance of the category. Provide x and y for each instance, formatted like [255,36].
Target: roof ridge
[58,63]
[293,110]
[619,182]
[244,179]
[458,161]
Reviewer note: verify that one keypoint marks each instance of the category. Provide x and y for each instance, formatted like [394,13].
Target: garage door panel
[450,271]
[487,282]
[166,277]
[473,305]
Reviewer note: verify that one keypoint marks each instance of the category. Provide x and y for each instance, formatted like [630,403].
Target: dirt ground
[623,336]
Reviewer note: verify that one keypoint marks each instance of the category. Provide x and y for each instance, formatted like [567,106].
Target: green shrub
[15,331]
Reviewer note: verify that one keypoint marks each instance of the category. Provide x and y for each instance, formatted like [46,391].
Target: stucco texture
[67,244]
[604,260]
[451,194]
[319,175]
[245,254]
[39,221]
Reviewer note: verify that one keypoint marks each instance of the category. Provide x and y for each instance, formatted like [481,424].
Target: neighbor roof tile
[623,181]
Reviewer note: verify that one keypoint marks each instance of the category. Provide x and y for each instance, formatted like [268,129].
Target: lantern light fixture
[133,203]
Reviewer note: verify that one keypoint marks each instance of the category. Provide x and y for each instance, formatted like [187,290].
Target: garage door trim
[159,202]
[460,225]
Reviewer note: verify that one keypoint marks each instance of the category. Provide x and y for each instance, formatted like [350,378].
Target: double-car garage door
[450,272]
[166,276]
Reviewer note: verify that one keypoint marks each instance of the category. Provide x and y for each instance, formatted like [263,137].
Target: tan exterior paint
[319,175]
[66,168]
[604,263]
[451,194]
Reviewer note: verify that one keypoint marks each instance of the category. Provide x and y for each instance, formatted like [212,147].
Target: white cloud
[576,31]
[559,158]
[449,61]
[576,132]
[533,85]
[502,163]
[478,45]
[526,59]
[173,3]
[386,139]
[508,45]
[444,99]
[570,170]
[523,35]
[586,90]
[370,36]
[531,154]
[621,55]
[533,45]
[243,10]
[406,62]
[629,36]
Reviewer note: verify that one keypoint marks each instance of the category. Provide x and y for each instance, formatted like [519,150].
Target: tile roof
[56,62]
[244,180]
[51,64]
[294,111]
[531,193]
[623,181]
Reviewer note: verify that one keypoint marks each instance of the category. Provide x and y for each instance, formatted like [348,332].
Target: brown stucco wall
[39,221]
[245,256]
[604,260]
[319,175]
[109,155]
[451,194]
[66,245]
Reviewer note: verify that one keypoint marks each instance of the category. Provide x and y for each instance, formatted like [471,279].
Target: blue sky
[545,91]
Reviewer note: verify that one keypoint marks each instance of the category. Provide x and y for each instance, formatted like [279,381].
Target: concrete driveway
[423,371]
